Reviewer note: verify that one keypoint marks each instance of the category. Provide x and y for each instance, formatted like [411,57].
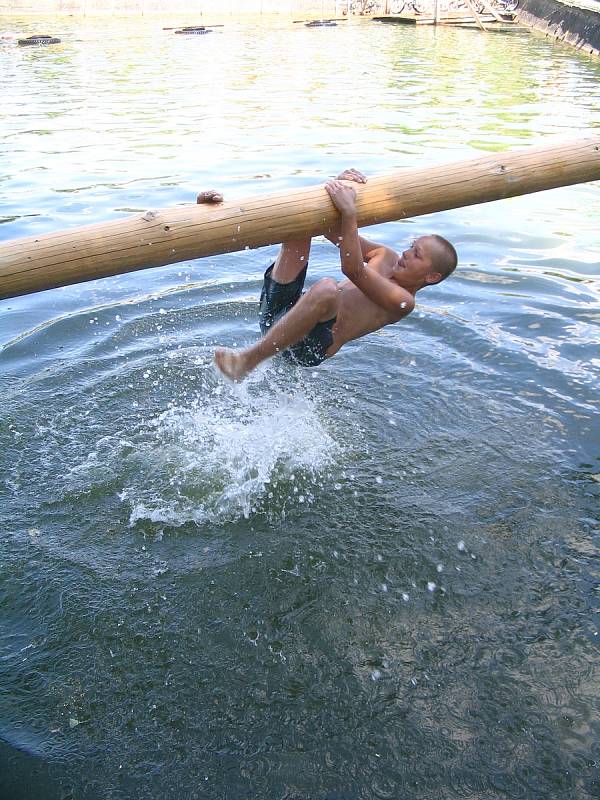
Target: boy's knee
[325,291]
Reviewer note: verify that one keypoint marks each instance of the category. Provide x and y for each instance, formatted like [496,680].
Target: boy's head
[428,261]
[444,256]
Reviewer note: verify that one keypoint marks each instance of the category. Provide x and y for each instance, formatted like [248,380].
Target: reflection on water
[377,578]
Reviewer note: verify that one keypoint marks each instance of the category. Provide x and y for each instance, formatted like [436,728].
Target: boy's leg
[319,304]
[292,259]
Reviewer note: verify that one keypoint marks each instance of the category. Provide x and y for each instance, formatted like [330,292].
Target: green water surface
[373,579]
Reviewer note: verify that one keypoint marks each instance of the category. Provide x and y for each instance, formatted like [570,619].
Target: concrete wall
[576,25]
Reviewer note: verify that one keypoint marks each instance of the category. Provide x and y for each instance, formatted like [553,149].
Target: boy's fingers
[353,174]
[209,196]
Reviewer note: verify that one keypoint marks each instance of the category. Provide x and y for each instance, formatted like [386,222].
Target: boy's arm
[368,249]
[382,291]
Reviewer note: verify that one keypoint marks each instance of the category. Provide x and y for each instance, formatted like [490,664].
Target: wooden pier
[466,17]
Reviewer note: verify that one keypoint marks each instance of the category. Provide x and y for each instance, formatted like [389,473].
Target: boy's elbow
[351,270]
[405,306]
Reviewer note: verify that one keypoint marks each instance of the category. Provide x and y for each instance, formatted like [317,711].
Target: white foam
[229,452]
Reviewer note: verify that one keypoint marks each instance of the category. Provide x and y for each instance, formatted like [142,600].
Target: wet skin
[379,288]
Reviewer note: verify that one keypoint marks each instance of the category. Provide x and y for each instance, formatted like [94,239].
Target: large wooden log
[195,231]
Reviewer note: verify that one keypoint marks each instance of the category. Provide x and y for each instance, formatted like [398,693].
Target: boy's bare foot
[211,197]
[231,363]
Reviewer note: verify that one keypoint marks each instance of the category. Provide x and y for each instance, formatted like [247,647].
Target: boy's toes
[230,363]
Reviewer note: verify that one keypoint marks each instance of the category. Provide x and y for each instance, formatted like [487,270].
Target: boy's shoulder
[383,253]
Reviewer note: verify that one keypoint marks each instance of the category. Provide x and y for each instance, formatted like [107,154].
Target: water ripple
[374,579]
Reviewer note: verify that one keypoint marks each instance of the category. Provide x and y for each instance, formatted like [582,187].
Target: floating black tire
[196,30]
[31,40]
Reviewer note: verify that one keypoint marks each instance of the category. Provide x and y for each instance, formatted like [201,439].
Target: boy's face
[416,263]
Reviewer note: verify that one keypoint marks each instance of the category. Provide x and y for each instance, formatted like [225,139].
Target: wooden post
[476,15]
[491,10]
[194,231]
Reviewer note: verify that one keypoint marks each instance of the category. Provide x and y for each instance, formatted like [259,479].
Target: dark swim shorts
[276,299]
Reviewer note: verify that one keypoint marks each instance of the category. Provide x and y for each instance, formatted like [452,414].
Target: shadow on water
[24,775]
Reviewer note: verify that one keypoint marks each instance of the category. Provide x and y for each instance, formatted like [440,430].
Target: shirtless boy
[379,289]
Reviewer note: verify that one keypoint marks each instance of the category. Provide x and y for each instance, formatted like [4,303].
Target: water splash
[231,452]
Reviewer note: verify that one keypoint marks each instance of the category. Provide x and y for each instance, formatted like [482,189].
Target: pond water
[374,579]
